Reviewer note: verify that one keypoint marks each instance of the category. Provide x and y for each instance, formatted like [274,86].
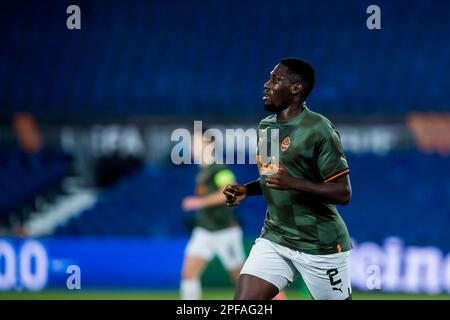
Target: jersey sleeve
[224,177]
[331,160]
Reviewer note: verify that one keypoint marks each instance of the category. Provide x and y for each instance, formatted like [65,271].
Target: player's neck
[291,111]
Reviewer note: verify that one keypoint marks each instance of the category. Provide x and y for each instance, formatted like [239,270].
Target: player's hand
[281,180]
[191,203]
[234,194]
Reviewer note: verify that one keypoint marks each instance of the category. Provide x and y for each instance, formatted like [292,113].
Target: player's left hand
[191,203]
[280,180]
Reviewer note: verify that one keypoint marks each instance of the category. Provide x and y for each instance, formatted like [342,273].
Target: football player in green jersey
[303,232]
[216,231]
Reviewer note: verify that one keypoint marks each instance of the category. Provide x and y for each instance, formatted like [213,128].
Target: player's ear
[296,88]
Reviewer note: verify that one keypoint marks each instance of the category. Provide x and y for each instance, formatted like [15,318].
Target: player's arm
[221,179]
[235,193]
[336,191]
[332,167]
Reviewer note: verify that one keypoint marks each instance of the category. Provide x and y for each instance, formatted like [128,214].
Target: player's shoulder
[319,124]
[216,167]
[317,119]
[268,120]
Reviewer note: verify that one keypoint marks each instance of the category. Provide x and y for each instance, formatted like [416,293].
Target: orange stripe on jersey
[339,248]
[337,175]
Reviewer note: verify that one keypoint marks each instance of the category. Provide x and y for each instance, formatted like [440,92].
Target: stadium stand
[192,57]
[380,206]
[23,177]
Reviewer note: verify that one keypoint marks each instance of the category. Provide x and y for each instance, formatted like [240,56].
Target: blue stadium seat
[132,58]
[24,176]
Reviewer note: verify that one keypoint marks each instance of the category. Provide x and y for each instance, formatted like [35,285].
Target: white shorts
[226,243]
[326,276]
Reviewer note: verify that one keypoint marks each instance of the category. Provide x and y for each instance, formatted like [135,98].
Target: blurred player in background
[216,231]
[303,231]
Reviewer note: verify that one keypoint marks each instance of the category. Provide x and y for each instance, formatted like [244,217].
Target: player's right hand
[234,194]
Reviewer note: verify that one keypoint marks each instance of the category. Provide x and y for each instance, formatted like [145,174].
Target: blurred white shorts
[226,244]
[326,276]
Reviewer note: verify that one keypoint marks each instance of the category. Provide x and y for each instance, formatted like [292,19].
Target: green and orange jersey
[211,179]
[310,149]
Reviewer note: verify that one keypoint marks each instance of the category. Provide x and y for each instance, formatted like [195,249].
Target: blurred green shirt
[211,179]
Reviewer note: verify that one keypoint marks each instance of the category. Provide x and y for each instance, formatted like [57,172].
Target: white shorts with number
[326,276]
[226,243]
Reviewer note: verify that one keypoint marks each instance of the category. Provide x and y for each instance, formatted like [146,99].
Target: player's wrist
[298,185]
[253,188]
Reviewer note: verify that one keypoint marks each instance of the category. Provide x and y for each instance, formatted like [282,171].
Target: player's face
[277,90]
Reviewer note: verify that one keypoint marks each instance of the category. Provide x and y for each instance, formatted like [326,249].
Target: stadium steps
[66,206]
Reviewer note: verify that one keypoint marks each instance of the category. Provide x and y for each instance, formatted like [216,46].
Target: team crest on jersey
[285,143]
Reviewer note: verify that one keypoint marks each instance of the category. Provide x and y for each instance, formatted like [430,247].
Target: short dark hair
[303,70]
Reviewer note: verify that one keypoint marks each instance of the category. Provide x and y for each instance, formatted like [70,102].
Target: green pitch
[209,294]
